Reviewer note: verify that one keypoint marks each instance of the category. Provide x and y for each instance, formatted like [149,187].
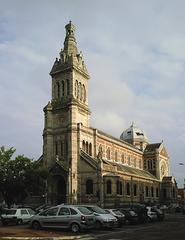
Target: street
[173,228]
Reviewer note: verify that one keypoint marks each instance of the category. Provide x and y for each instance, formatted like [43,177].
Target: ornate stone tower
[67,109]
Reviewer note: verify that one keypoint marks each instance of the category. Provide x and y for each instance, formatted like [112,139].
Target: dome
[134,134]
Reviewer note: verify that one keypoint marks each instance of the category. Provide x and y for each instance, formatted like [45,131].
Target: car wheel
[19,221]
[98,225]
[75,228]
[36,225]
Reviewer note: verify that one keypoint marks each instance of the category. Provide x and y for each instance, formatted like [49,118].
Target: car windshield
[97,210]
[117,212]
[84,210]
[132,213]
[10,211]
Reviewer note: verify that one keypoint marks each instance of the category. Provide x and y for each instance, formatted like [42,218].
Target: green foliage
[20,176]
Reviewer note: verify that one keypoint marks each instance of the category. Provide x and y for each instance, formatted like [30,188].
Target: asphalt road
[173,228]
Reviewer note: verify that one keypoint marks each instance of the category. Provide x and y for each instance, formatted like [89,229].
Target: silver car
[119,215]
[102,217]
[72,217]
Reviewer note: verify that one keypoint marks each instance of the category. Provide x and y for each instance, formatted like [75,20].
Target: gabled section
[91,161]
[150,148]
[162,151]
[58,169]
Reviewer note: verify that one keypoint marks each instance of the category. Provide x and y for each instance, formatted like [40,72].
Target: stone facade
[87,165]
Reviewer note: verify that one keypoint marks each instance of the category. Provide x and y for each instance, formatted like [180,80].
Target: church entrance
[61,190]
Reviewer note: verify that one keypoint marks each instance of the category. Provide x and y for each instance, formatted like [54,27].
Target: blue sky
[135,54]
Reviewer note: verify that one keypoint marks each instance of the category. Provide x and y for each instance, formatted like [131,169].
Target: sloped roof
[152,147]
[130,170]
[91,161]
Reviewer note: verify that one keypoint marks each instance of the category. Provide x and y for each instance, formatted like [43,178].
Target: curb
[85,237]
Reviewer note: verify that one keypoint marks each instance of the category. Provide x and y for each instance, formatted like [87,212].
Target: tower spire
[70,45]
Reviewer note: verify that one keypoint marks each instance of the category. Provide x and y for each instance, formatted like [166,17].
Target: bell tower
[67,109]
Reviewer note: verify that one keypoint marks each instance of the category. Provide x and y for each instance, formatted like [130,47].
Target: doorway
[61,190]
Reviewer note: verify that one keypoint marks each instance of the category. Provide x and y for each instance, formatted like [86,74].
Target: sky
[134,52]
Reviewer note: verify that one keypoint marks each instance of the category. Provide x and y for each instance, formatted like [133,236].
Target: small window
[89,186]
[109,187]
[24,211]
[146,191]
[152,191]
[128,189]
[135,190]
[73,212]
[64,211]
[51,212]
[157,192]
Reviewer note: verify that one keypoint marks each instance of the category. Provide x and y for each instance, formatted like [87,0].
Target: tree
[19,176]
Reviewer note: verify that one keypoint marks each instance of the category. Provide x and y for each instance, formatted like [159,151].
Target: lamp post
[183,164]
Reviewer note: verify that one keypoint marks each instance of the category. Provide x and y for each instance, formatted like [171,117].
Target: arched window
[128,189]
[116,156]
[62,148]
[83,145]
[139,163]
[122,158]
[135,190]
[56,148]
[89,186]
[120,188]
[146,191]
[108,153]
[80,91]
[152,191]
[76,88]
[134,162]
[58,89]
[63,88]
[157,192]
[109,187]
[117,187]
[84,93]
[90,149]
[68,86]
[128,160]
[87,147]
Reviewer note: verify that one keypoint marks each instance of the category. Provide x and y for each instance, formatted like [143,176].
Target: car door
[48,218]
[24,215]
[63,217]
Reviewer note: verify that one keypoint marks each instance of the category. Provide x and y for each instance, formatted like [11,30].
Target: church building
[87,165]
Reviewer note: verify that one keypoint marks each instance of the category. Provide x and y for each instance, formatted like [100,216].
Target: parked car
[63,216]
[139,209]
[152,215]
[17,216]
[116,213]
[159,212]
[130,216]
[183,209]
[102,218]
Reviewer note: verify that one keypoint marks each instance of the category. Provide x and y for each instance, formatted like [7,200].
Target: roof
[133,133]
[152,147]
[130,170]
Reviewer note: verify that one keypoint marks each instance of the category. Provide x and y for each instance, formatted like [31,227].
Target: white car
[17,215]
[152,216]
